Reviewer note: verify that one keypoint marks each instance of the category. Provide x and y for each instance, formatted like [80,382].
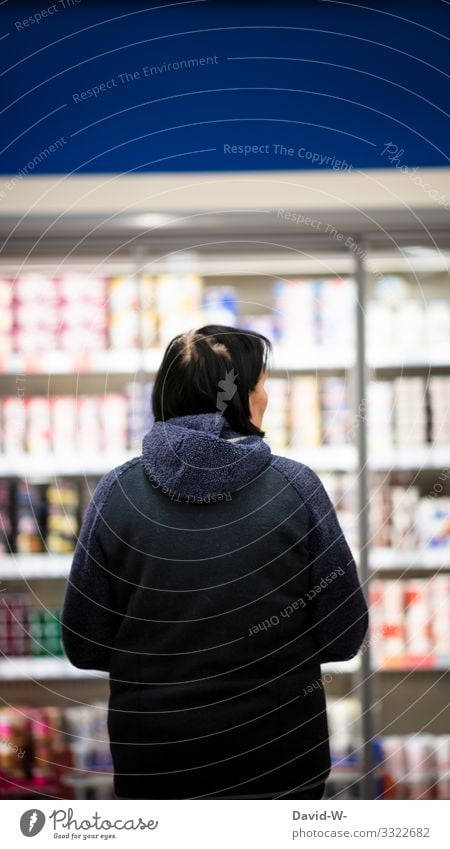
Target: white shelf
[414,457]
[20,668]
[17,668]
[341,666]
[384,559]
[312,359]
[284,359]
[17,566]
[29,566]
[415,664]
[344,457]
[409,358]
[49,466]
[64,362]
[340,458]
[276,263]
[131,361]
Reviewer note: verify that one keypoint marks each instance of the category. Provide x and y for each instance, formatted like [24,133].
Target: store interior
[358,309]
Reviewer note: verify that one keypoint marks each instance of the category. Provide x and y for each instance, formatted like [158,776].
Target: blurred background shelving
[92,344]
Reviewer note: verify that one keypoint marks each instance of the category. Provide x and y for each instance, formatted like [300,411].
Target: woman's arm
[89,622]
[337,607]
[339,611]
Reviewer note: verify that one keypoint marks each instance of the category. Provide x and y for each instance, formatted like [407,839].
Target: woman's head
[214,369]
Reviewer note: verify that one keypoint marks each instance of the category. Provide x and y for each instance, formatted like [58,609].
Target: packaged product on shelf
[417,618]
[439,600]
[132,312]
[442,755]
[344,717]
[124,306]
[179,304]
[86,728]
[277,413]
[14,425]
[82,312]
[139,412]
[394,631]
[395,765]
[62,517]
[14,744]
[342,491]
[14,624]
[63,418]
[410,325]
[31,516]
[439,392]
[433,522]
[265,324]
[45,632]
[336,413]
[305,412]
[410,414]
[39,425]
[6,317]
[377,621]
[89,436]
[421,766]
[148,311]
[36,313]
[220,305]
[437,323]
[381,326]
[403,509]
[114,422]
[296,313]
[380,405]
[6,536]
[47,741]
[337,303]
[380,515]
[418,765]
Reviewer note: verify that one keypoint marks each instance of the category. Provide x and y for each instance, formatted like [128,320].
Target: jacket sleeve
[89,622]
[339,613]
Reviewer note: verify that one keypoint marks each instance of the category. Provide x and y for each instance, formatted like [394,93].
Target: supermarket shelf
[276,263]
[125,362]
[414,457]
[18,668]
[409,358]
[343,457]
[427,663]
[385,559]
[38,668]
[339,458]
[46,467]
[47,565]
[17,566]
[66,362]
[131,361]
[321,458]
[341,666]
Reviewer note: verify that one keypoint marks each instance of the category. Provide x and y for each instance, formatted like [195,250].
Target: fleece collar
[200,455]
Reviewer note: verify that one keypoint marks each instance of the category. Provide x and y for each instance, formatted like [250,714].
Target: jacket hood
[198,456]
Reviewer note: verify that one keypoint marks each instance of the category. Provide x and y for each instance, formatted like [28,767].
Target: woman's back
[211,579]
[212,644]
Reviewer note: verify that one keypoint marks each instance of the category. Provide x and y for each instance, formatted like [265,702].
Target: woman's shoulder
[303,479]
